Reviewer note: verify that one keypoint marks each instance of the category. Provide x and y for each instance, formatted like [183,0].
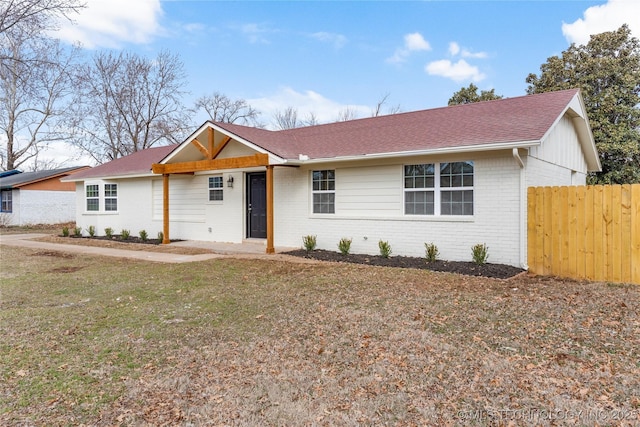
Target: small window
[456,183]
[6,201]
[93,197]
[324,191]
[111,197]
[215,188]
[419,196]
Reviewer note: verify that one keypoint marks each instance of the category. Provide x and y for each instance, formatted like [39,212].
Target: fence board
[590,232]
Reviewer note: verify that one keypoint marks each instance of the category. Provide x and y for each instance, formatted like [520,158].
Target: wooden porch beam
[165,209]
[220,147]
[210,156]
[216,164]
[201,148]
[270,248]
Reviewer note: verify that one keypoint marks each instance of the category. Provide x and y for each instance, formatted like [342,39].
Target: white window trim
[87,198]
[437,190]
[104,189]
[221,189]
[313,192]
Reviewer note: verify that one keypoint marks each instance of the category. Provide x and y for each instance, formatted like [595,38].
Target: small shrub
[65,231]
[108,232]
[91,230]
[480,253]
[143,235]
[431,252]
[77,231]
[344,246]
[124,234]
[385,249]
[160,236]
[309,242]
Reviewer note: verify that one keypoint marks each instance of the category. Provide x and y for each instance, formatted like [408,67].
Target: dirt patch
[53,254]
[498,271]
[132,245]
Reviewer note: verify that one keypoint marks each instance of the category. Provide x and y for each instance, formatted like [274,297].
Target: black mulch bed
[118,238]
[498,271]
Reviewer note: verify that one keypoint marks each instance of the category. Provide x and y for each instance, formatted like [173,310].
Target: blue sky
[324,56]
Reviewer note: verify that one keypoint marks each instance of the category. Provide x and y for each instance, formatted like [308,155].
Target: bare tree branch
[221,108]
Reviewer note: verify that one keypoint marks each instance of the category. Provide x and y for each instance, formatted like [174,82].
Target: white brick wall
[42,207]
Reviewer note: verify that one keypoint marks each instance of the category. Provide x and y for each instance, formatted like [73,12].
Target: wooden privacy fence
[586,232]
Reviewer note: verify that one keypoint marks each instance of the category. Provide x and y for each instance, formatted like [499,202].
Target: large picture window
[324,191]
[93,197]
[439,188]
[6,199]
[216,188]
[111,197]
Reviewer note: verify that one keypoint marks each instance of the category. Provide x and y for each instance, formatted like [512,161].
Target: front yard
[103,341]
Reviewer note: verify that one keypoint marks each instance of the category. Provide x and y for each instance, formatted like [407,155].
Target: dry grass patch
[253,342]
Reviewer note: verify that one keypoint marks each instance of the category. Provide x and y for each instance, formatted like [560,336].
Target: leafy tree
[221,108]
[607,70]
[126,103]
[468,95]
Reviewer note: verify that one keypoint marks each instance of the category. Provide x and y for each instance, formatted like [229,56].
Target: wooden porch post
[165,209]
[270,248]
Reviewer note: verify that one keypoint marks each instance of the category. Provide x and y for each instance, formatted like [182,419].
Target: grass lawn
[103,341]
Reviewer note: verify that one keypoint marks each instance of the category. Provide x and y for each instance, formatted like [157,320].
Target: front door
[257,205]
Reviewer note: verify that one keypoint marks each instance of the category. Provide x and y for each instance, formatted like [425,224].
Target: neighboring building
[37,197]
[454,176]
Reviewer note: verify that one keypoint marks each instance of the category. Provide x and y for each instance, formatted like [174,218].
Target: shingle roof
[138,163]
[525,118]
[512,120]
[19,179]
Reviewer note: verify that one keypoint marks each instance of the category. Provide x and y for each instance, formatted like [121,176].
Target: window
[324,191]
[215,188]
[93,197]
[111,197]
[439,189]
[6,198]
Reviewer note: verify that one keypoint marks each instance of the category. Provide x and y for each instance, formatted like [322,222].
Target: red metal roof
[525,118]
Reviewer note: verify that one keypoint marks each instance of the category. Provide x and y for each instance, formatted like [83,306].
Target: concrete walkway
[218,250]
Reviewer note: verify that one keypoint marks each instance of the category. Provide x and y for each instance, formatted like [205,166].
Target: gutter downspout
[523,207]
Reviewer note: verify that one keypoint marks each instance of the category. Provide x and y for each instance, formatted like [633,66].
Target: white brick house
[454,176]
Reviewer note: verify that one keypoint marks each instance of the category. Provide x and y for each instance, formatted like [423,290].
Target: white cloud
[605,17]
[110,23]
[455,49]
[305,103]
[256,33]
[458,71]
[413,42]
[338,40]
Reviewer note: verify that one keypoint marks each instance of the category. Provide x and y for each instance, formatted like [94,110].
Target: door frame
[247,202]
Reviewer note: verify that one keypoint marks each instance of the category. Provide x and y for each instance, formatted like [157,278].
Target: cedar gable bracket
[208,165]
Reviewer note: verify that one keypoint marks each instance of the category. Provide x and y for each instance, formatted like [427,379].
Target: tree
[35,15]
[127,103]
[377,110]
[221,108]
[35,86]
[468,95]
[607,70]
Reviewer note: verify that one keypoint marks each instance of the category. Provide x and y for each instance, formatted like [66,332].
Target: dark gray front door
[257,205]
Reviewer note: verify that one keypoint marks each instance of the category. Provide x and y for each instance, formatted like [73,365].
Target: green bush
[124,234]
[480,253]
[344,246]
[65,231]
[309,242]
[385,249]
[108,232]
[143,235]
[160,236]
[77,231]
[91,230]
[431,252]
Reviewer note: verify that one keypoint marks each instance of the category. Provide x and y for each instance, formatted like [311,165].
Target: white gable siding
[559,160]
[496,219]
